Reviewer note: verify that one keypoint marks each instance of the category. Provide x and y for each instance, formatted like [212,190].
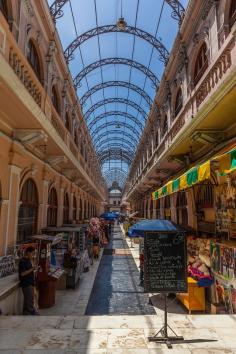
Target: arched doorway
[28,212]
[52,208]
[66,209]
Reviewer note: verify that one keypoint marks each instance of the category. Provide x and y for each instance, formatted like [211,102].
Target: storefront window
[33,59]
[167,209]
[28,212]
[201,63]
[182,211]
[66,209]
[52,207]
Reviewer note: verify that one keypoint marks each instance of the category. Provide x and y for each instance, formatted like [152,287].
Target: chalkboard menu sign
[165,262]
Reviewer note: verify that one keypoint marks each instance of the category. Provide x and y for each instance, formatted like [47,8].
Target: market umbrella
[108,216]
[139,229]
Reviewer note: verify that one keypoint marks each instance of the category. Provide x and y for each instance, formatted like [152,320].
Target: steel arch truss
[116,153]
[114,100]
[123,147]
[116,114]
[132,140]
[115,174]
[124,140]
[177,14]
[56,9]
[156,43]
[111,124]
[178,10]
[124,84]
[122,61]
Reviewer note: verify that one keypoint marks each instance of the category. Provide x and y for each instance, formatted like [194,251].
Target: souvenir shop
[204,203]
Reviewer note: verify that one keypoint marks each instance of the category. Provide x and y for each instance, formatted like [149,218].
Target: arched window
[178,102]
[74,208]
[55,99]
[66,209]
[52,208]
[164,126]
[232,13]
[4,9]
[33,59]
[201,63]
[28,212]
[67,122]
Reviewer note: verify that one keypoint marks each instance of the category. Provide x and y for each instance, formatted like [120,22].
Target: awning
[199,173]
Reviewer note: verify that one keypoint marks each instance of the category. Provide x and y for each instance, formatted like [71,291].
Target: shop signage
[165,262]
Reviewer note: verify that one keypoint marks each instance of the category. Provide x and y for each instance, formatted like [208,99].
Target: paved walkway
[117,334]
[116,290]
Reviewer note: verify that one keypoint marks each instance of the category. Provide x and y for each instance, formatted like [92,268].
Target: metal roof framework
[112,114]
[111,142]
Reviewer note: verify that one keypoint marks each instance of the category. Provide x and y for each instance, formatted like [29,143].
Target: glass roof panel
[116,57]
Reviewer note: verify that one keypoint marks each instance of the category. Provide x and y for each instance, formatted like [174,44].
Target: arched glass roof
[116,51]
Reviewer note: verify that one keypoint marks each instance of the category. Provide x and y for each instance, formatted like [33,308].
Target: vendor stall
[48,274]
[72,253]
[207,197]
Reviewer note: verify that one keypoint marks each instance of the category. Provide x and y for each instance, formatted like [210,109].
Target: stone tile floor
[115,334]
[116,289]
[69,332]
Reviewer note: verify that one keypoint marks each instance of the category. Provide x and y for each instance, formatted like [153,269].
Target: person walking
[27,281]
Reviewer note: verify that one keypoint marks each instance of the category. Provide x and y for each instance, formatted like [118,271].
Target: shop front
[205,195]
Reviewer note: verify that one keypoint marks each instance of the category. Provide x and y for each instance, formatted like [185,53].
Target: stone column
[12,213]
[71,200]
[162,205]
[191,207]
[43,207]
[60,207]
[149,208]
[173,200]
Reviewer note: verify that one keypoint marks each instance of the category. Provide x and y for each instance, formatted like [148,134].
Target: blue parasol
[109,216]
[139,229]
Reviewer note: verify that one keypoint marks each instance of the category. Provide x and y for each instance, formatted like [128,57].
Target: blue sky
[122,45]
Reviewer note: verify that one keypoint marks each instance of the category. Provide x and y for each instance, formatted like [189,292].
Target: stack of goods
[199,260]
[223,265]
[95,235]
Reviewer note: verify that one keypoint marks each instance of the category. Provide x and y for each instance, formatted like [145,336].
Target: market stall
[48,273]
[212,247]
[72,253]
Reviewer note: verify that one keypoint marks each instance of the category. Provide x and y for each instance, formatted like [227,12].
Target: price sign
[165,262]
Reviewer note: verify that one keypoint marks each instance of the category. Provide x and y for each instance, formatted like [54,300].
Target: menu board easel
[165,271]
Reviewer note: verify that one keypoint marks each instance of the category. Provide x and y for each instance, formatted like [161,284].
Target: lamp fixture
[121,23]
